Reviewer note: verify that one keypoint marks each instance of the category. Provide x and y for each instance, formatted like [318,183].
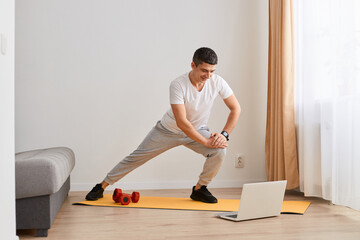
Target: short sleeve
[176,93]
[224,89]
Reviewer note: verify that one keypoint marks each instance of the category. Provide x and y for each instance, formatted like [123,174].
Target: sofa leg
[41,232]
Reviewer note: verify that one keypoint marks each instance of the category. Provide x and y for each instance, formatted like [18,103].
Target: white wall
[94,76]
[7,143]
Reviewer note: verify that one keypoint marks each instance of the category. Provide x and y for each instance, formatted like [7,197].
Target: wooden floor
[321,221]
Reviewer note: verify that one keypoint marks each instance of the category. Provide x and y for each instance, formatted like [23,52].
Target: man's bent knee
[219,152]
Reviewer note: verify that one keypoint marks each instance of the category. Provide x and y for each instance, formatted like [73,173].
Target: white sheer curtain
[327,104]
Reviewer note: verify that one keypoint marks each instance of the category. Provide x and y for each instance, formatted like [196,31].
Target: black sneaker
[203,195]
[95,193]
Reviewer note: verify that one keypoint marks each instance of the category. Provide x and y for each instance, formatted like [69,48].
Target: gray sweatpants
[160,140]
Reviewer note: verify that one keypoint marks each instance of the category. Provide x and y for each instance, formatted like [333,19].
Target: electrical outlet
[239,160]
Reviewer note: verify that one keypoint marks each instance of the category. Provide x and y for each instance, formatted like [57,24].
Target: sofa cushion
[43,171]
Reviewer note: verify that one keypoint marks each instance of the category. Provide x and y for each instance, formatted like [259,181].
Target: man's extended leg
[156,142]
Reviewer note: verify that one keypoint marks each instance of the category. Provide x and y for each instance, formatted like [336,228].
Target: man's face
[202,72]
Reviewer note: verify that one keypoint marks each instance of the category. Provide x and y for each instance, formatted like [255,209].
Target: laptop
[258,200]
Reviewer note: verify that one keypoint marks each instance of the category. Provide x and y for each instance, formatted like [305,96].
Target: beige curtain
[280,146]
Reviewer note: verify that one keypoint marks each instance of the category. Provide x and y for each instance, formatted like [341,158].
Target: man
[191,97]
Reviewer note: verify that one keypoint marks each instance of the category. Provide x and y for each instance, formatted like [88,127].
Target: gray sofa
[42,184]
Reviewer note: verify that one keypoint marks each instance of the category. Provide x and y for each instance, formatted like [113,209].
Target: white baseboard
[163,185]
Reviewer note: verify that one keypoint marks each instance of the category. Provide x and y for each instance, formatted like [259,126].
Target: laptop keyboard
[233,216]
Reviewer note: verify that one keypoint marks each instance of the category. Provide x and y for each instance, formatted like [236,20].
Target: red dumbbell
[124,198]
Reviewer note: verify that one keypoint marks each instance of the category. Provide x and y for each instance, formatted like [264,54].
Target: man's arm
[184,124]
[235,110]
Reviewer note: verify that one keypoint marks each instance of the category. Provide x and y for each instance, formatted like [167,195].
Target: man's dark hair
[205,55]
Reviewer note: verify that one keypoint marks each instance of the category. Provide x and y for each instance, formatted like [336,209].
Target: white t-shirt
[197,104]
